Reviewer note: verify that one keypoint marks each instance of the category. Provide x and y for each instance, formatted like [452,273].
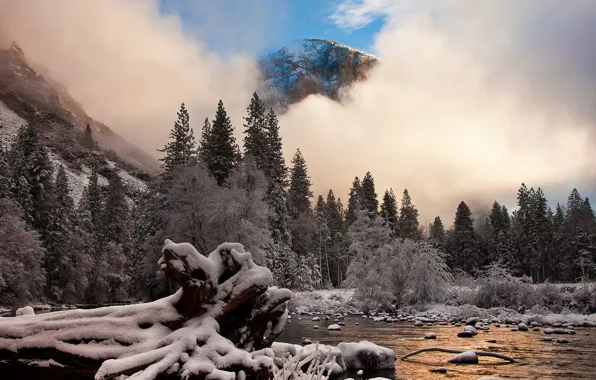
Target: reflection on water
[535,359]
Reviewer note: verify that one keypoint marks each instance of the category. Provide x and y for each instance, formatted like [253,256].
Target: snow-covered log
[224,311]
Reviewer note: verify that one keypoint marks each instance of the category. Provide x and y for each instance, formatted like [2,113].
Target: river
[535,359]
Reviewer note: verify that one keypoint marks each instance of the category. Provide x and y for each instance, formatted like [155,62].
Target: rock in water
[430,335]
[466,357]
[27,310]
[522,327]
[492,341]
[439,370]
[334,327]
[306,341]
[471,329]
[316,319]
[418,323]
[465,334]
[367,355]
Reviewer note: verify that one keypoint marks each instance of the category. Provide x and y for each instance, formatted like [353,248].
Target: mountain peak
[312,66]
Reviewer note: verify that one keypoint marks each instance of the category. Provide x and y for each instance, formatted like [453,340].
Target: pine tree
[94,202]
[333,215]
[354,202]
[59,240]
[88,142]
[540,236]
[204,147]
[408,219]
[369,201]
[437,234]
[499,236]
[462,244]
[276,170]
[278,215]
[389,210]
[255,130]
[223,154]
[5,177]
[181,150]
[31,177]
[299,193]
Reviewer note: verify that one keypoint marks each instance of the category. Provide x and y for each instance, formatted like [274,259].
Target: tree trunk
[224,310]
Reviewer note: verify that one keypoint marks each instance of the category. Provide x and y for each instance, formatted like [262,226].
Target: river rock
[306,341]
[547,339]
[430,335]
[536,329]
[562,340]
[316,319]
[466,357]
[334,327]
[535,324]
[418,323]
[315,327]
[471,329]
[360,373]
[439,370]
[465,334]
[472,320]
[522,327]
[492,341]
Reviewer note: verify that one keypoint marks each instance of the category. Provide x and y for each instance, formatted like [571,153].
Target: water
[534,359]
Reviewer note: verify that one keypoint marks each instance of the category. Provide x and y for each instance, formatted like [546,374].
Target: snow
[10,123]
[41,363]
[367,355]
[188,253]
[25,311]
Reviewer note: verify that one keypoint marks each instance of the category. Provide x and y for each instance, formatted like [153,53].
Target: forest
[105,248]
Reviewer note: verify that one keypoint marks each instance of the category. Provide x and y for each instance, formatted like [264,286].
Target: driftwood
[452,351]
[224,311]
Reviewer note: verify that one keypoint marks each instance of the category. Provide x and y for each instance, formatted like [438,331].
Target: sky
[280,22]
[472,97]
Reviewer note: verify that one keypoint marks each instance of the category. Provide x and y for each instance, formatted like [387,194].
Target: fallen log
[453,351]
[223,312]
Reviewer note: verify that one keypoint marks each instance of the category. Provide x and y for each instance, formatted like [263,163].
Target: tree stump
[220,322]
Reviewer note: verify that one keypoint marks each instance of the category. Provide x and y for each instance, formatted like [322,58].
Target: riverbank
[343,301]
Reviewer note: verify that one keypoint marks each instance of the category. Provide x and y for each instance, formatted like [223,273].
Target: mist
[470,100]
[131,66]
[472,97]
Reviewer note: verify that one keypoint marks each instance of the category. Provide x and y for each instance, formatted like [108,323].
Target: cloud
[471,100]
[131,66]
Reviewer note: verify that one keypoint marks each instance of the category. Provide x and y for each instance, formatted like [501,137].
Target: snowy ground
[343,301]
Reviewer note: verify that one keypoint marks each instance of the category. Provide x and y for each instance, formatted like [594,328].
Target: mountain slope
[312,66]
[41,100]
[26,97]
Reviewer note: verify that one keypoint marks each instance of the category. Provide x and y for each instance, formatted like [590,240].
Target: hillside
[27,97]
[312,66]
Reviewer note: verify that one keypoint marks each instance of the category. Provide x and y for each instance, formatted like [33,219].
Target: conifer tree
[278,215]
[276,170]
[540,236]
[223,154]
[354,202]
[5,176]
[389,210]
[408,219]
[437,234]
[205,139]
[59,240]
[31,173]
[88,141]
[369,201]
[255,130]
[94,202]
[321,208]
[462,244]
[299,192]
[181,150]
[499,236]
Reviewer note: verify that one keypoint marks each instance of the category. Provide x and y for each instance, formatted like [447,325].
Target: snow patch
[367,355]
[10,123]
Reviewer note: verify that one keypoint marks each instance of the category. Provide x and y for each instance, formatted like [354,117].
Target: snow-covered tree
[354,202]
[22,277]
[369,199]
